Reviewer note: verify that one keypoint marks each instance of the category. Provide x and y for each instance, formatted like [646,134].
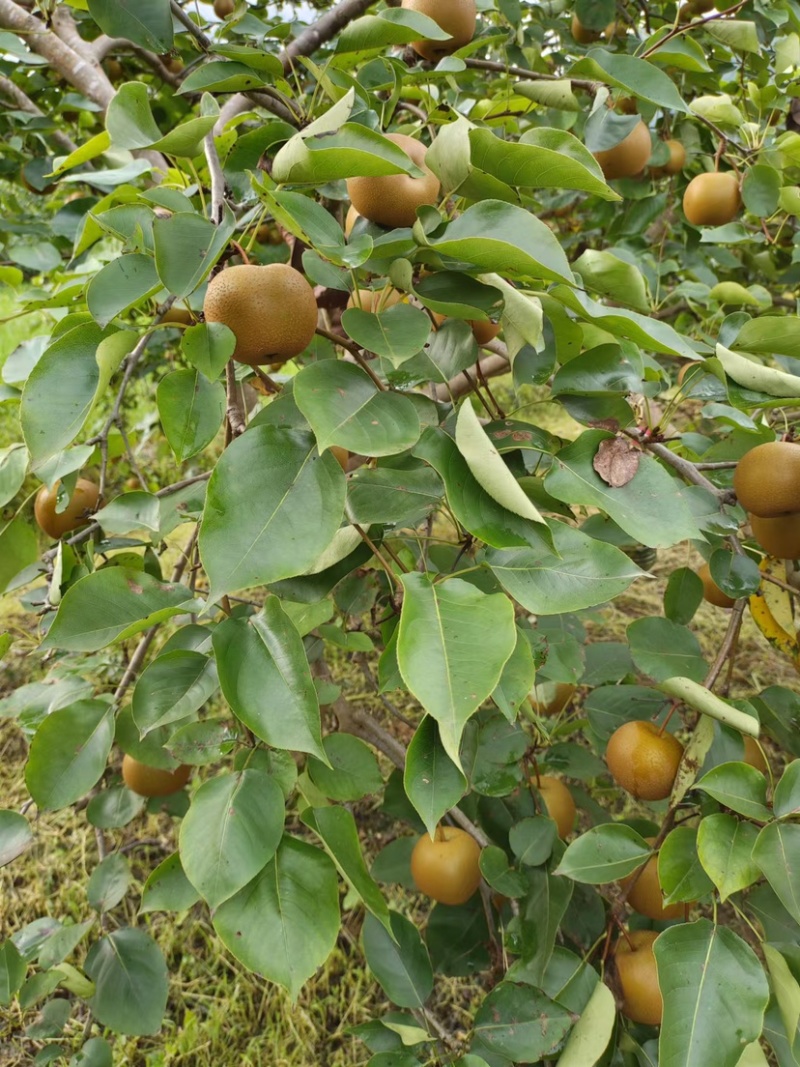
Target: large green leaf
[12,972]
[13,468]
[604,854]
[453,643]
[664,649]
[353,150]
[649,333]
[18,550]
[147,23]
[680,872]
[191,410]
[167,888]
[337,829]
[120,285]
[724,847]
[384,495]
[501,237]
[344,407]
[392,26]
[433,783]
[715,994]
[488,467]
[580,573]
[187,247]
[284,923]
[777,853]
[130,977]
[62,388]
[231,830]
[69,753]
[398,333]
[398,960]
[770,335]
[519,1023]
[172,687]
[272,507]
[15,836]
[543,159]
[740,787]
[649,494]
[112,604]
[627,72]
[266,679]
[592,1032]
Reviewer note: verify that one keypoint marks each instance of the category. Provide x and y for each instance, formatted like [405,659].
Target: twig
[393,579]
[728,642]
[354,351]
[491,367]
[689,26]
[683,466]
[234,412]
[217,179]
[531,75]
[191,26]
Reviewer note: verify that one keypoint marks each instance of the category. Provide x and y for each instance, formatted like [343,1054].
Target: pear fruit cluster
[767,485]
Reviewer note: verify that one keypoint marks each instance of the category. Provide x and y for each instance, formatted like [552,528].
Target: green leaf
[735,34]
[543,159]
[69,753]
[580,573]
[113,604]
[476,510]
[344,407]
[12,972]
[167,888]
[399,961]
[532,839]
[572,478]
[266,679]
[708,972]
[314,156]
[755,376]
[145,22]
[393,26]
[627,72]
[433,783]
[664,650]
[172,687]
[519,1023]
[724,846]
[488,467]
[787,792]
[453,643]
[130,978]
[517,679]
[397,334]
[739,787]
[501,237]
[777,853]
[606,274]
[337,829]
[457,937]
[131,512]
[129,120]
[770,334]
[191,410]
[222,76]
[350,770]
[208,347]
[604,854]
[120,285]
[384,495]
[187,247]
[499,874]
[592,1032]
[62,943]
[680,872]
[13,468]
[648,333]
[256,528]
[231,830]
[61,389]
[761,189]
[15,836]
[683,595]
[285,922]
[18,549]
[109,882]
[112,808]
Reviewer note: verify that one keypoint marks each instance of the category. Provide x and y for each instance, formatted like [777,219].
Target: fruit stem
[670,713]
[439,834]
[624,933]
[241,252]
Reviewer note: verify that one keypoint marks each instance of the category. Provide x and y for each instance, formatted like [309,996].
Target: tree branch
[191,26]
[85,74]
[531,75]
[217,179]
[490,367]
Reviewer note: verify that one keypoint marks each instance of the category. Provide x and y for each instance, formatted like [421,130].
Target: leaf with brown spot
[616,461]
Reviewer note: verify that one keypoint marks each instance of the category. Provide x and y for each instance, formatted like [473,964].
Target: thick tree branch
[83,73]
[191,26]
[13,93]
